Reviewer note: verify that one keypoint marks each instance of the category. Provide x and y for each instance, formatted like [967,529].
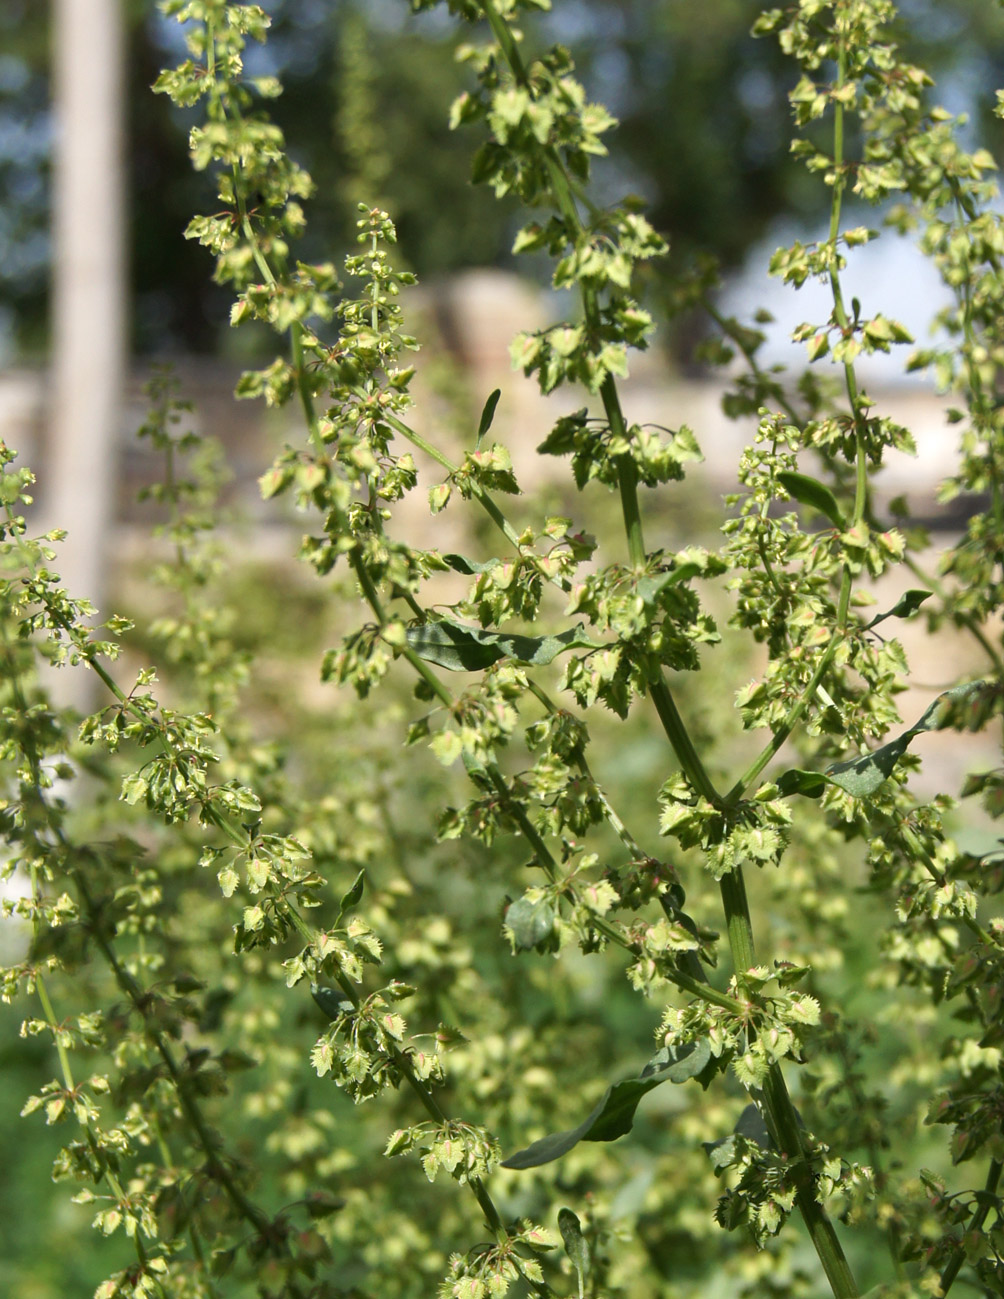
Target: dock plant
[288,980]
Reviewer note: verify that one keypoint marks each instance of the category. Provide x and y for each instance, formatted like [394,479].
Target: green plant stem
[860,469]
[296,332]
[976,1222]
[129,986]
[781,1118]
[66,1070]
[307,398]
[733,890]
[127,983]
[850,377]
[680,741]
[739,926]
[424,1094]
[627,474]
[730,330]
[660,693]
[545,858]
[256,1217]
[788,1137]
[50,1014]
[541,852]
[88,654]
[794,716]
[780,1110]
[579,758]
[420,1089]
[479,494]
[967,621]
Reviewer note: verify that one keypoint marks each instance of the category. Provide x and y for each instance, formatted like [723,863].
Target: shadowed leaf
[457,648]
[613,1115]
[330,1000]
[530,923]
[488,413]
[575,1243]
[469,567]
[750,1125]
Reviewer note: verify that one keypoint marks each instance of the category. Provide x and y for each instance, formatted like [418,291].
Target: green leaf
[354,895]
[331,1001]
[907,605]
[458,648]
[613,1115]
[649,588]
[469,567]
[529,922]
[862,776]
[749,1125]
[322,1204]
[796,781]
[810,491]
[576,1246]
[677,1064]
[488,414]
[134,787]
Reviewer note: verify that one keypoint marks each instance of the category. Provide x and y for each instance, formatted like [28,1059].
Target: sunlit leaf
[810,491]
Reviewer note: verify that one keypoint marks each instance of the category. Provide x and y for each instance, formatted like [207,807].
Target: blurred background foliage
[703,137]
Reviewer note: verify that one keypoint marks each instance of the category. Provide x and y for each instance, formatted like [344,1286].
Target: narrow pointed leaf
[459,648]
[613,1115]
[488,413]
[556,1144]
[469,567]
[810,491]
[862,776]
[353,896]
[907,605]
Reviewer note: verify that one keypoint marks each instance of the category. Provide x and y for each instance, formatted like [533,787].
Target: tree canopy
[701,104]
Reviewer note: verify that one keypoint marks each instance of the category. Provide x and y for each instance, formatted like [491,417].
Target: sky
[889,275]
